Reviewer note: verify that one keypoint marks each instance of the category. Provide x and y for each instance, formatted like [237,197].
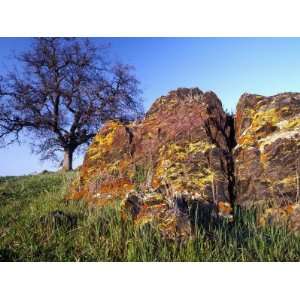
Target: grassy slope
[27,234]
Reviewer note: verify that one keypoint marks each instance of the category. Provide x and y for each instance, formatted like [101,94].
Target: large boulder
[181,147]
[267,157]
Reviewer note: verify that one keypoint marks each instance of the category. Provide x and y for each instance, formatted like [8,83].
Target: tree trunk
[68,159]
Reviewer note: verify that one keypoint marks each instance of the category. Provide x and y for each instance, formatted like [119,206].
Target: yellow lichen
[201,146]
[292,123]
[102,143]
[176,167]
[202,181]
[268,118]
[288,181]
[246,140]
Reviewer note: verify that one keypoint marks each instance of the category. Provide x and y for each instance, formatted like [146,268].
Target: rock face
[183,153]
[180,150]
[267,167]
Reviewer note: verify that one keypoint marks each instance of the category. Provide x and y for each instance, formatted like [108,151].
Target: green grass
[29,233]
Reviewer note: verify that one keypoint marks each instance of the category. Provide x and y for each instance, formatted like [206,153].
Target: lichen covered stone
[267,153]
[182,145]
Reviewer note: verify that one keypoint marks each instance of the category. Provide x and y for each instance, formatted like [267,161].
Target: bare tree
[60,94]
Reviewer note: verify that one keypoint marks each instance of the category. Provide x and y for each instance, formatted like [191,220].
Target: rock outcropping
[184,152]
[180,150]
[267,157]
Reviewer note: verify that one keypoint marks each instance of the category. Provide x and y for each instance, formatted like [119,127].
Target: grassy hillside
[36,224]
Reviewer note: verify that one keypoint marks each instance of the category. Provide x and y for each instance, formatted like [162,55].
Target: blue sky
[227,66]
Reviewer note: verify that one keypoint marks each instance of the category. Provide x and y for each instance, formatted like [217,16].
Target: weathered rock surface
[181,147]
[266,157]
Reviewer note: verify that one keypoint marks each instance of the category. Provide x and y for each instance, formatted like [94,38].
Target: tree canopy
[61,93]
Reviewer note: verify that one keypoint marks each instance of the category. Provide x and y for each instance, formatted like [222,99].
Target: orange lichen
[115,187]
[224,208]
